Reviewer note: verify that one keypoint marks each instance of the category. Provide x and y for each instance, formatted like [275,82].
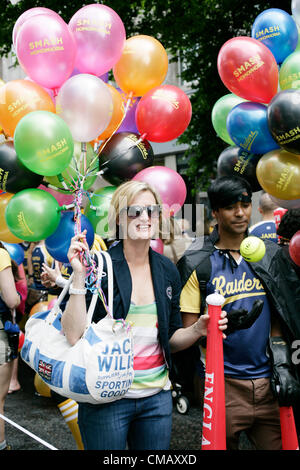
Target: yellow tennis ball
[252,249]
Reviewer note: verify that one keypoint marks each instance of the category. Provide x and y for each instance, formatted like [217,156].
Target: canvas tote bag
[99,367]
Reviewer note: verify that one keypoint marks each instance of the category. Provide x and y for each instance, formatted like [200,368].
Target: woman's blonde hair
[123,197]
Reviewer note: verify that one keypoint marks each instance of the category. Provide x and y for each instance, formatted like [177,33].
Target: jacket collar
[122,276]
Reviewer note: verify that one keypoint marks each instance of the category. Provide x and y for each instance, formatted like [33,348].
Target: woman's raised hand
[78,247]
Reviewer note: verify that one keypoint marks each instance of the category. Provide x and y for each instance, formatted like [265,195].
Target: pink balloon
[168,183]
[157,245]
[100,36]
[28,14]
[46,50]
[62,199]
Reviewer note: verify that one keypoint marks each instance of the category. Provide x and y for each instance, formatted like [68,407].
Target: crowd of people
[163,296]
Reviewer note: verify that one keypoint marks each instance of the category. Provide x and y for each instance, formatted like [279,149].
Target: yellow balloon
[5,234]
[278,173]
[142,66]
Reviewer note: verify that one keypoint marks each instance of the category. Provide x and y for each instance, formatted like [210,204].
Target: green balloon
[43,143]
[32,214]
[289,73]
[78,167]
[97,210]
[219,114]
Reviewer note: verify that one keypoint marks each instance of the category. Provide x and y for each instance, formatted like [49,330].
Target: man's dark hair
[289,224]
[228,190]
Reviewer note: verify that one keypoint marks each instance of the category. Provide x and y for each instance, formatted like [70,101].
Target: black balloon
[284,119]
[123,156]
[14,176]
[234,161]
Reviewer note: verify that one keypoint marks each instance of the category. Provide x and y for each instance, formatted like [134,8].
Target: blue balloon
[16,252]
[58,243]
[277,30]
[247,125]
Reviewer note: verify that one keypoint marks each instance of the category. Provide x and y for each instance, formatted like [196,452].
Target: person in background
[266,228]
[21,286]
[178,240]
[9,301]
[146,293]
[37,256]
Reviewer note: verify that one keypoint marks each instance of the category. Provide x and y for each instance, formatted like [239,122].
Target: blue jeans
[142,424]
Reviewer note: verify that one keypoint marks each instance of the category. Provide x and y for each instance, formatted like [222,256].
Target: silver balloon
[84,102]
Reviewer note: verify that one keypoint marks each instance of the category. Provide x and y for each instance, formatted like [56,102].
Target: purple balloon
[128,124]
[103,77]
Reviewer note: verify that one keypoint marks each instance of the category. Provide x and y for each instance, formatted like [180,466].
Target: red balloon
[294,248]
[157,245]
[163,113]
[169,184]
[248,68]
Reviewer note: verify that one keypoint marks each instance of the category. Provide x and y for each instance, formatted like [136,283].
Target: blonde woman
[146,292]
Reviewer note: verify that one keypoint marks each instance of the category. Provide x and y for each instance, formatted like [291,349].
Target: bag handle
[110,279]
[92,306]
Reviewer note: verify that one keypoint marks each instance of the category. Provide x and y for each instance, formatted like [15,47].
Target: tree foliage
[194,29]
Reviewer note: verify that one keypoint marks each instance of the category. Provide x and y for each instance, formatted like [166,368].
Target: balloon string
[129,98]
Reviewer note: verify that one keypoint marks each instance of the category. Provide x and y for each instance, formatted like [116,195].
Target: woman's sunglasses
[133,212]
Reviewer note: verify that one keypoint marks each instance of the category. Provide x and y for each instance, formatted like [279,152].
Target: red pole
[214,424]
[288,429]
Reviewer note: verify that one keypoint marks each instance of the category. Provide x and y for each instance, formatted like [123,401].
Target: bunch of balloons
[259,118]
[65,125]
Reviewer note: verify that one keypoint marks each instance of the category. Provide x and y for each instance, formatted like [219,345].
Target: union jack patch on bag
[45,370]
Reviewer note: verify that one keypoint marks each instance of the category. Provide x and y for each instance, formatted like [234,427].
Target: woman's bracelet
[73,290]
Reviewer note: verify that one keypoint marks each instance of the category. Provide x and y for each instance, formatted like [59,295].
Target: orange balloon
[278,173]
[39,307]
[18,98]
[143,65]
[5,234]
[117,114]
